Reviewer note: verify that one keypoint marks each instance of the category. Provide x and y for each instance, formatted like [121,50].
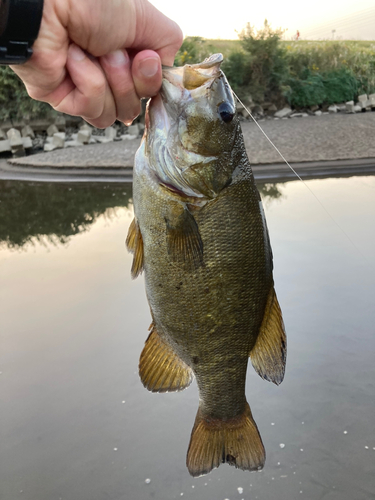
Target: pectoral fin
[160,369]
[268,356]
[134,244]
[184,243]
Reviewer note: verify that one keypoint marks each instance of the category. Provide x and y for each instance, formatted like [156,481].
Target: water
[76,423]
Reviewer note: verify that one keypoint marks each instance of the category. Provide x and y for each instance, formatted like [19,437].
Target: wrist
[19,27]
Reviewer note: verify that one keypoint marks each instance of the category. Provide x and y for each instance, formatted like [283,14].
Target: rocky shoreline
[30,137]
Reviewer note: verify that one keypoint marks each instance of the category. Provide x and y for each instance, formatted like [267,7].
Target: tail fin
[235,441]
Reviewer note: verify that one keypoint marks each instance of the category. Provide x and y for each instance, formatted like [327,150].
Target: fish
[200,237]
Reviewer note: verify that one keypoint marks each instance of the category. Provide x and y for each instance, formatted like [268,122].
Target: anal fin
[184,242]
[268,356]
[235,441]
[134,244]
[160,368]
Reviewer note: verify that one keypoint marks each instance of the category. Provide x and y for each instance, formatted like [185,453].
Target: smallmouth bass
[199,235]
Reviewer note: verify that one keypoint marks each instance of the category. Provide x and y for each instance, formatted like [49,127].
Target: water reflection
[270,191]
[53,212]
[76,421]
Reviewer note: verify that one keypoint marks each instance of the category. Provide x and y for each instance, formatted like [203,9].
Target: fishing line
[299,177]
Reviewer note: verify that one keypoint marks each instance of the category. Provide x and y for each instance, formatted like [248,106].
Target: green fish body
[200,237]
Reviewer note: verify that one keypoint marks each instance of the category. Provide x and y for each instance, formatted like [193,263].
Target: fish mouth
[193,76]
[179,124]
[179,86]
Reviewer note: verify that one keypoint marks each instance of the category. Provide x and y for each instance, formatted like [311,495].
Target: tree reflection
[270,192]
[54,212]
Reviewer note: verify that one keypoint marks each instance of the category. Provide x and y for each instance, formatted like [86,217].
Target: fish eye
[226,112]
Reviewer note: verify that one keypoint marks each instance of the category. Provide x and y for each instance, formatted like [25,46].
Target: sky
[314,20]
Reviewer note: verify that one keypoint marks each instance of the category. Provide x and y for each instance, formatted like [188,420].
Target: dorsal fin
[268,356]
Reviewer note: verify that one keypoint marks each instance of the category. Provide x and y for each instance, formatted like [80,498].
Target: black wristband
[19,27]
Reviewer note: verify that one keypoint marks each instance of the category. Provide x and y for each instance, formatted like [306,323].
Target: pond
[76,422]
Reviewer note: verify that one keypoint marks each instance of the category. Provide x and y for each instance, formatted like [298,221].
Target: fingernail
[149,67]
[76,53]
[116,58]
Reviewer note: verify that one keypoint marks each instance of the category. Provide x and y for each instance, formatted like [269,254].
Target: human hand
[97,58]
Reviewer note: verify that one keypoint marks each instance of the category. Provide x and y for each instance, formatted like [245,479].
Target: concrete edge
[263,172]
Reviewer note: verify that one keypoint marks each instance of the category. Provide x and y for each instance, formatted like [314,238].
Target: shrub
[340,86]
[322,88]
[307,92]
[15,101]
[262,68]
[193,50]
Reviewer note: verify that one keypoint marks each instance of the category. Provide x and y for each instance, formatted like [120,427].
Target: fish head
[191,128]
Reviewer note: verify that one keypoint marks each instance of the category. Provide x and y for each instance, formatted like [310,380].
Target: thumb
[157,32]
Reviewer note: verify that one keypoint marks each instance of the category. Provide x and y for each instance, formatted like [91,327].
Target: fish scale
[207,263]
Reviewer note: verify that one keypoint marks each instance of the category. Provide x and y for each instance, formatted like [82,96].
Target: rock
[241,111]
[362,98]
[332,108]
[298,115]
[84,136]
[14,135]
[15,141]
[133,130]
[318,113]
[110,133]
[365,105]
[371,98]
[128,137]
[314,108]
[271,110]
[49,147]
[86,126]
[350,106]
[2,134]
[27,131]
[27,142]
[102,139]
[341,107]
[73,143]
[59,139]
[52,129]
[357,108]
[60,122]
[4,146]
[283,113]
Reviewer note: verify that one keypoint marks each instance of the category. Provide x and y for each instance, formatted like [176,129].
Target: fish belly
[210,315]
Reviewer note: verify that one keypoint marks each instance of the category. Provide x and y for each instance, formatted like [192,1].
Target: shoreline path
[337,144]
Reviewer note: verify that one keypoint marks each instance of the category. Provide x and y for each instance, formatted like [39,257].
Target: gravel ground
[327,137]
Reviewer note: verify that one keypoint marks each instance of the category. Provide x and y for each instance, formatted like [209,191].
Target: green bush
[262,67]
[356,58]
[340,86]
[307,92]
[15,101]
[193,50]
[316,88]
